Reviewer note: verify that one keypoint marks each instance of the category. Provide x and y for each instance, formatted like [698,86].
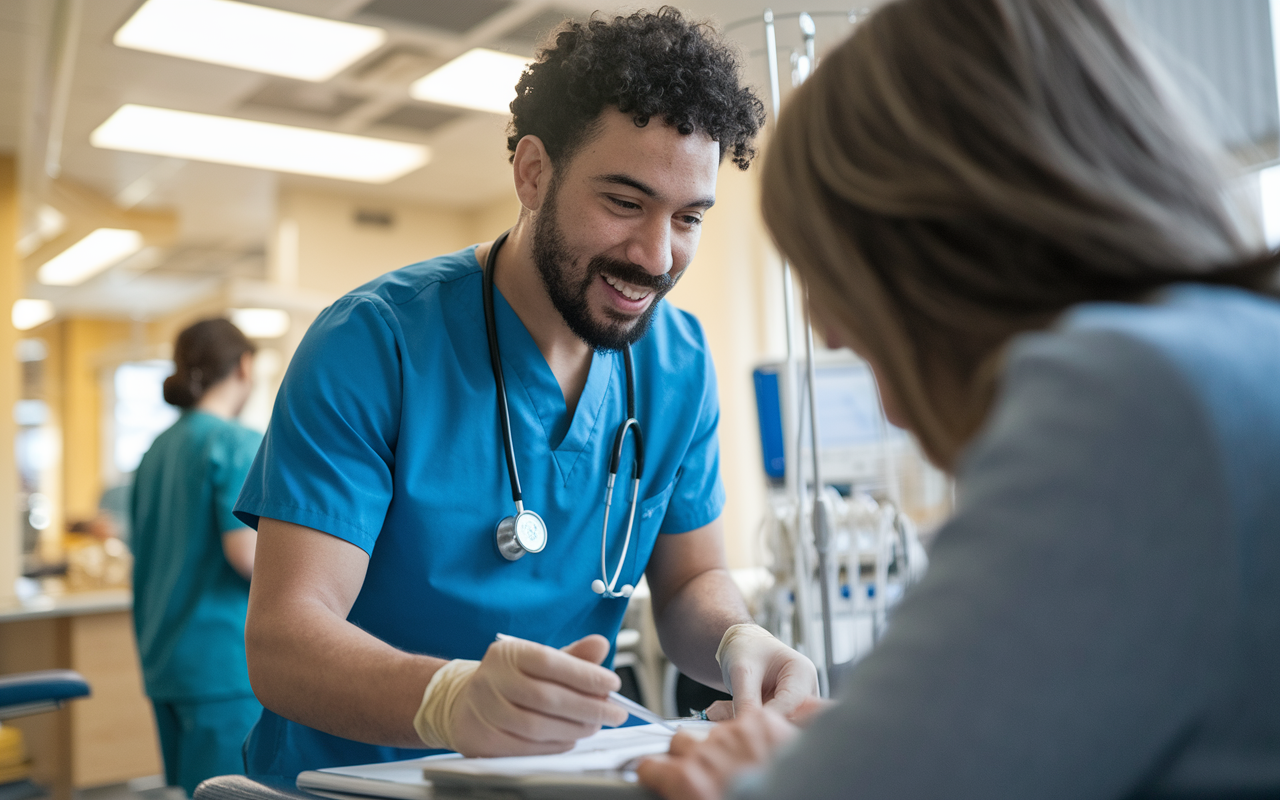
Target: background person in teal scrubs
[193,559]
[379,588]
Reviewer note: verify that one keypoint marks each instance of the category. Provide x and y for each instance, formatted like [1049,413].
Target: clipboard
[598,766]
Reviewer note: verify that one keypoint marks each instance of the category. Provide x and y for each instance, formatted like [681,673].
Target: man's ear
[532,170]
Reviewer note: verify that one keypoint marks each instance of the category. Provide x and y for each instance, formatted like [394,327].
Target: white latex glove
[523,698]
[759,670]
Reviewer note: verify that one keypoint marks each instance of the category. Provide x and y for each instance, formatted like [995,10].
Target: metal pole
[810,33]
[820,521]
[821,518]
[792,429]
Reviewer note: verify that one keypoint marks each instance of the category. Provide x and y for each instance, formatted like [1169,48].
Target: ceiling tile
[309,98]
[419,117]
[445,15]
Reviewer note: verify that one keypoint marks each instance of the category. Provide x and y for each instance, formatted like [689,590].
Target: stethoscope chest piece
[523,533]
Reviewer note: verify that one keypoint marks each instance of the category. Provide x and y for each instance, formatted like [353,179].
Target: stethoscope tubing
[495,361]
[615,457]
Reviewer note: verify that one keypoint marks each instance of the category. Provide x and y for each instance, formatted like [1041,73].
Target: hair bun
[177,391]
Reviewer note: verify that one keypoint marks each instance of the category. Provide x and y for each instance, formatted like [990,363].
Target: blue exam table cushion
[50,685]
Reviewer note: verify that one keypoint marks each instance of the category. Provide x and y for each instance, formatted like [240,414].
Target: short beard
[552,258]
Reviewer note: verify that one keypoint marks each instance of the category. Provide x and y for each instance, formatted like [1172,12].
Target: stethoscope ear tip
[627,590]
[597,586]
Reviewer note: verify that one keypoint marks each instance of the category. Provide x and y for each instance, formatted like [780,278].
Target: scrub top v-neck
[385,434]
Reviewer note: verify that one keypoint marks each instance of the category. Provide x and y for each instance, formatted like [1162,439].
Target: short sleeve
[697,498]
[230,459]
[329,453]
[1076,621]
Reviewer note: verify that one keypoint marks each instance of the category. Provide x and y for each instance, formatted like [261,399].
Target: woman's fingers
[678,779]
[699,770]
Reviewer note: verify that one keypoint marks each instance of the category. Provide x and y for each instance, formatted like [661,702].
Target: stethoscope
[526,532]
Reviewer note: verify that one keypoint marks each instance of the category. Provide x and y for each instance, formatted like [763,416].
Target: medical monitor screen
[848,408]
[851,427]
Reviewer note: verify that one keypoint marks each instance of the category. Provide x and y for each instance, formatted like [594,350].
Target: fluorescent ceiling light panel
[27,314]
[261,323]
[262,145]
[249,37]
[96,252]
[481,79]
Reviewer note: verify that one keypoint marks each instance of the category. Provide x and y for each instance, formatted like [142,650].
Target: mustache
[632,274]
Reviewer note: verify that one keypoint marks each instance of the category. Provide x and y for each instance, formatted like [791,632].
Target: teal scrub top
[385,434]
[188,603]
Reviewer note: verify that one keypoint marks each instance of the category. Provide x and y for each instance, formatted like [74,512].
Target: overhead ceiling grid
[224,208]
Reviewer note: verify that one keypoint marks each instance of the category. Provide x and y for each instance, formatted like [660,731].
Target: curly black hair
[647,65]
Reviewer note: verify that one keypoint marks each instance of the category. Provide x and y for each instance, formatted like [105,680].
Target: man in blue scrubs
[379,589]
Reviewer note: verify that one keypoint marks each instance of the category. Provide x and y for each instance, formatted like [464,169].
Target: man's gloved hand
[759,670]
[522,699]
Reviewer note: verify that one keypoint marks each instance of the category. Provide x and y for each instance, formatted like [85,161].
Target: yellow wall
[10,288]
[335,255]
[488,222]
[84,342]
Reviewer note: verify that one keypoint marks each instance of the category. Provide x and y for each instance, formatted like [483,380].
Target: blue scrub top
[188,602]
[385,434]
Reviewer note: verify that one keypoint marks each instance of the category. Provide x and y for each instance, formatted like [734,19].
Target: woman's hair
[960,172]
[203,355]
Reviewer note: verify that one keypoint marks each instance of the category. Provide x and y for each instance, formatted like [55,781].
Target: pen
[625,703]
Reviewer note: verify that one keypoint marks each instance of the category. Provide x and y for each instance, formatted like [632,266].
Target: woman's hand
[703,769]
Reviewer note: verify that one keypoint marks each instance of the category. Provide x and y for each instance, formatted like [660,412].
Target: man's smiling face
[620,223]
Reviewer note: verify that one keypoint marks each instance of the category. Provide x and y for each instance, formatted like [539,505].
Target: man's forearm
[306,662]
[692,621]
[313,668]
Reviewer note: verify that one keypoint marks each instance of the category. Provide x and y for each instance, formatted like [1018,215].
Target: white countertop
[44,606]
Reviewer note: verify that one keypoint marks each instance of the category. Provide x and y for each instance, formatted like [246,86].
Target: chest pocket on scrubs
[649,516]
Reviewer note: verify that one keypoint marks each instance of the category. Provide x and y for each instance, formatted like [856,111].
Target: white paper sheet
[607,750]
[610,749]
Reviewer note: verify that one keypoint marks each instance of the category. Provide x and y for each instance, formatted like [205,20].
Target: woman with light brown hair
[999,205]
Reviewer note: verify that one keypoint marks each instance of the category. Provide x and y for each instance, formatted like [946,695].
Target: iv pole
[819,519]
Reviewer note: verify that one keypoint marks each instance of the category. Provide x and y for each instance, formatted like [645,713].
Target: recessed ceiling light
[262,145]
[27,314]
[261,323]
[101,249]
[481,79]
[249,37]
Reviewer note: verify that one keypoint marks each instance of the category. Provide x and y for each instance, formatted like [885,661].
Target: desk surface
[71,604]
[238,787]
